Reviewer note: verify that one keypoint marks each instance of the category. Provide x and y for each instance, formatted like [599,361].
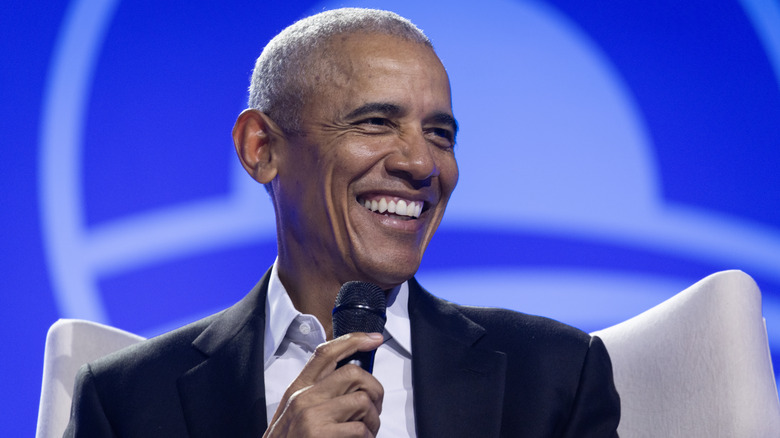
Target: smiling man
[350,128]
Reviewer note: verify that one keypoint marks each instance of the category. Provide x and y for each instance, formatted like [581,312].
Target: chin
[389,275]
[387,267]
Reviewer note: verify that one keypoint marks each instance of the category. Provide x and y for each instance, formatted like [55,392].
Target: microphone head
[360,307]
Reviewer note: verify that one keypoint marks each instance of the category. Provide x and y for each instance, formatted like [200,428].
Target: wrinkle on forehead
[336,63]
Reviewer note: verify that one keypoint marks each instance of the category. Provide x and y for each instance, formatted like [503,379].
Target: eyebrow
[388,109]
[393,110]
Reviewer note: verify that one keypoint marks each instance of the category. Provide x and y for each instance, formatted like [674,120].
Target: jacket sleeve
[596,410]
[87,417]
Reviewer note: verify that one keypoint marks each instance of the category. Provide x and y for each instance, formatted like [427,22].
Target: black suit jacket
[476,372]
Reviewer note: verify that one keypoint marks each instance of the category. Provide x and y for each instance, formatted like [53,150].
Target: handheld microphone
[360,307]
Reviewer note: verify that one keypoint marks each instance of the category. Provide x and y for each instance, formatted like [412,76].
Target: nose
[413,160]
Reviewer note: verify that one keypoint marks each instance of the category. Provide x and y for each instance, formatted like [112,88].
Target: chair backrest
[697,365]
[70,343]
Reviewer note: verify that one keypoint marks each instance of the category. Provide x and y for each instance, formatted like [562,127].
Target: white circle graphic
[632,215]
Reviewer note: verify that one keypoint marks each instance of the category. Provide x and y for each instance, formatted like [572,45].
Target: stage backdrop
[611,154]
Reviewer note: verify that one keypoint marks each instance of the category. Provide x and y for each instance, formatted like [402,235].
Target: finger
[304,415]
[346,380]
[323,363]
[347,410]
[353,429]
[328,354]
[362,409]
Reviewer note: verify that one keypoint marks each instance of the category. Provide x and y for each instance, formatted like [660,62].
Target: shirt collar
[398,326]
[280,313]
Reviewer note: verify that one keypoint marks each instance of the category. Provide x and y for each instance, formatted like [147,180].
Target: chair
[70,343]
[697,365]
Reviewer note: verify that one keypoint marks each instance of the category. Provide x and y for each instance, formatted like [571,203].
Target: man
[350,128]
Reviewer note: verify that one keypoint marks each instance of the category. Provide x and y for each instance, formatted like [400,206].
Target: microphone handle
[363,359]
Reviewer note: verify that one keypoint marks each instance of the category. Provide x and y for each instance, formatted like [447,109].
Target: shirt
[291,337]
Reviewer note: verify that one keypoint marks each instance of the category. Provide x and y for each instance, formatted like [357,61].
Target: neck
[311,295]
[313,282]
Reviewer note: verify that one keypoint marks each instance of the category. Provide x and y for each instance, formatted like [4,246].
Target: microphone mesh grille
[360,307]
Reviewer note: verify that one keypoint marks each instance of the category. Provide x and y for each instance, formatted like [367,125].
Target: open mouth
[401,208]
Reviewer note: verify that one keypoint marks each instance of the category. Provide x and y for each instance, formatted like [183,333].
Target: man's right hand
[327,402]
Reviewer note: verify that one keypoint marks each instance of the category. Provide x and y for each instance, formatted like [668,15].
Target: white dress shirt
[291,337]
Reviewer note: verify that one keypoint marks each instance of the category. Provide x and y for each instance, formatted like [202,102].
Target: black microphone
[360,307]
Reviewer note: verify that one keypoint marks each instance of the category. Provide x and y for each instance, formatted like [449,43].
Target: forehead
[359,66]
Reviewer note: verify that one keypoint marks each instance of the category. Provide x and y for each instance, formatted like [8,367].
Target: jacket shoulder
[525,329]
[167,352]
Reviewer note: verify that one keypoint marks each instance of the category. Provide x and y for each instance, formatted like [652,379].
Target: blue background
[611,155]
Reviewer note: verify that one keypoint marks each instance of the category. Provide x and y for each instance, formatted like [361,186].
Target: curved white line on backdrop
[617,204]
[583,297]
[765,16]
[77,256]
[149,238]
[68,83]
[585,169]
[590,299]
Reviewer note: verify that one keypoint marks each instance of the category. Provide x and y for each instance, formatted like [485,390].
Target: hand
[327,402]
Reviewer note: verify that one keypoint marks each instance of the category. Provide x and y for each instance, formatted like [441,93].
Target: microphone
[360,307]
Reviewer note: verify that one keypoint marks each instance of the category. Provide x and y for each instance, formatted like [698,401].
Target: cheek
[449,173]
[337,174]
[356,159]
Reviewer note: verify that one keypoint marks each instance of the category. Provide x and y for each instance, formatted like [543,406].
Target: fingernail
[375,336]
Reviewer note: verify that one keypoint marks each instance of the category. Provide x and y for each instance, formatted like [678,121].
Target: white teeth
[401,207]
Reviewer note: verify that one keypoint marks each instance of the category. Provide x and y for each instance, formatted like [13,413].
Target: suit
[476,372]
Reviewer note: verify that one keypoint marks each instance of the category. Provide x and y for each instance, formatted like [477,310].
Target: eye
[443,137]
[443,133]
[375,121]
[374,125]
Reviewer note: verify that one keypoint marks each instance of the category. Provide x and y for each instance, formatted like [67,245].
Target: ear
[258,141]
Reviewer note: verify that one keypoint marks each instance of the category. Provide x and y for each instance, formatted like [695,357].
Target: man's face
[378,137]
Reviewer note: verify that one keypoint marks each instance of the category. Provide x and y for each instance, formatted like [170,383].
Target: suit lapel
[224,395]
[458,386]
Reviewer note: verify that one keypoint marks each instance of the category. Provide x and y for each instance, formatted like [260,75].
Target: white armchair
[70,343]
[697,365]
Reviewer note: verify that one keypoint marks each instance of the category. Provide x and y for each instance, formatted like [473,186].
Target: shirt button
[304,328]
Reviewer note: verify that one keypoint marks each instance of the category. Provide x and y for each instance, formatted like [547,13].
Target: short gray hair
[282,78]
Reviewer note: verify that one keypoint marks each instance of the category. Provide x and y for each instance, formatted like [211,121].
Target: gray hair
[282,78]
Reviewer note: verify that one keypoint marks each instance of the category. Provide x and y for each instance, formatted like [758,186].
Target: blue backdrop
[611,154]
